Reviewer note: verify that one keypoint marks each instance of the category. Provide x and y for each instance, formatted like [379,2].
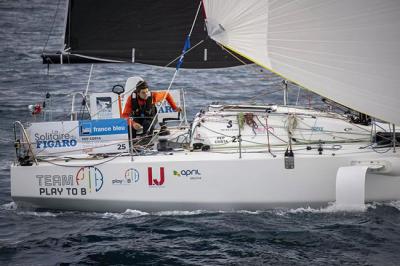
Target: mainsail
[347,51]
[143,31]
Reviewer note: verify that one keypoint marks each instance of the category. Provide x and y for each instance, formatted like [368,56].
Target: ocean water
[303,236]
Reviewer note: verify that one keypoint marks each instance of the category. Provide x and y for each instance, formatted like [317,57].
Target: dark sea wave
[303,236]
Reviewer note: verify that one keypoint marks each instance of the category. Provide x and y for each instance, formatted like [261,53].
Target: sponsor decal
[54,139]
[155,181]
[131,176]
[190,173]
[102,127]
[166,109]
[95,133]
[221,140]
[86,180]
[104,107]
[317,128]
[92,177]
[230,129]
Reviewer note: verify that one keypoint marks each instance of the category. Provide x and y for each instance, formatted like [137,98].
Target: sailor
[140,106]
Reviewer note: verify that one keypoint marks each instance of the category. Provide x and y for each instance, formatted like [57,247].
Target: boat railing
[74,114]
[17,141]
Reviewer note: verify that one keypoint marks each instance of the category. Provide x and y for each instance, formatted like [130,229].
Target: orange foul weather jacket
[157,96]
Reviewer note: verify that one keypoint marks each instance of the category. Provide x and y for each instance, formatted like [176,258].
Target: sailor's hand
[178,110]
[137,126]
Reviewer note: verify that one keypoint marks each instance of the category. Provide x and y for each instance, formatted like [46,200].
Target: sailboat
[230,156]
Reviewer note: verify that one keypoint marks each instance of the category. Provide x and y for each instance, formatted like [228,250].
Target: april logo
[155,181]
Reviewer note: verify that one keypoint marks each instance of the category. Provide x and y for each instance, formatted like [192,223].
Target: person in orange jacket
[140,106]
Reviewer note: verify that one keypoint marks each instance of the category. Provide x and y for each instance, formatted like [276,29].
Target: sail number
[121,147]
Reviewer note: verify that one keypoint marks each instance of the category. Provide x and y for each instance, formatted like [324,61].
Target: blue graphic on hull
[103,127]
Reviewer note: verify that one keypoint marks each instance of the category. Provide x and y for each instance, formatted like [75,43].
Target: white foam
[127,214]
[249,212]
[242,212]
[134,213]
[38,214]
[180,213]
[331,208]
[11,206]
[112,215]
[199,212]
[395,204]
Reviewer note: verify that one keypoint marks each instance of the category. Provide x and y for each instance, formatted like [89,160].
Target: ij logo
[91,177]
[131,176]
[155,181]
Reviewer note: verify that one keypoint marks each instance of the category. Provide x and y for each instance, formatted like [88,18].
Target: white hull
[211,181]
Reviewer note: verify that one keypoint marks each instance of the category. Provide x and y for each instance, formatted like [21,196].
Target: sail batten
[347,51]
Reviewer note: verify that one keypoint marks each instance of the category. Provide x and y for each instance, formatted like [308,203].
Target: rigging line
[195,18]
[327,132]
[163,100]
[312,131]
[190,49]
[190,33]
[52,26]
[152,139]
[222,134]
[376,125]
[244,63]
[376,149]
[229,52]
[346,120]
[298,95]
[95,58]
[372,130]
[88,82]
[177,68]
[266,128]
[63,165]
[263,94]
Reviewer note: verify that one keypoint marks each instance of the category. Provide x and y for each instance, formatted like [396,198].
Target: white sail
[347,51]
